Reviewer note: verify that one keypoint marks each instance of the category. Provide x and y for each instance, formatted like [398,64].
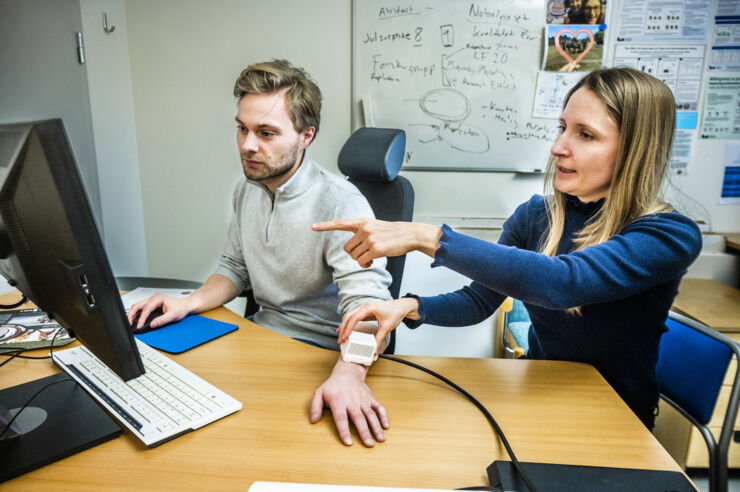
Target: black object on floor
[73,423]
[567,478]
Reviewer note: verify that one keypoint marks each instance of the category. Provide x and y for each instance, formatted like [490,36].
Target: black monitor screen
[50,247]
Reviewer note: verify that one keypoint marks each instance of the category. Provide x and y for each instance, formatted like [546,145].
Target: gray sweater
[303,280]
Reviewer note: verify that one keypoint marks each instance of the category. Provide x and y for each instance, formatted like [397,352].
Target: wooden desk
[551,412]
[708,301]
[732,241]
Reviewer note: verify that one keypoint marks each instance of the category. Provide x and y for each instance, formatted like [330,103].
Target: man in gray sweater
[303,281]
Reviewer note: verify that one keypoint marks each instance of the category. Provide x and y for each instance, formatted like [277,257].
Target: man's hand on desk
[348,397]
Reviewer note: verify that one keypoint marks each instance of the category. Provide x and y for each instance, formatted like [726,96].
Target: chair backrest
[692,363]
[371,159]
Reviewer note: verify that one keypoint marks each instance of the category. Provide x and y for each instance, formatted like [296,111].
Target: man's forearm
[215,292]
[358,370]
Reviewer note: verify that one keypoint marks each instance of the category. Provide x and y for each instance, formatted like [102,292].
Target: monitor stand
[60,421]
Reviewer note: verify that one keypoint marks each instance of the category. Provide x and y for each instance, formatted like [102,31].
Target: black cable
[482,408]
[51,345]
[11,356]
[482,487]
[12,306]
[17,354]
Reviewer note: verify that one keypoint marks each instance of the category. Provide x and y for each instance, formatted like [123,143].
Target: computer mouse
[145,328]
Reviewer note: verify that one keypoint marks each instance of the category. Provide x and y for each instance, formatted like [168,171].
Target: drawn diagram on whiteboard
[448,35]
[459,78]
[451,108]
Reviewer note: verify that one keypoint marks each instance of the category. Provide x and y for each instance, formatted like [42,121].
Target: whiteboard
[459,77]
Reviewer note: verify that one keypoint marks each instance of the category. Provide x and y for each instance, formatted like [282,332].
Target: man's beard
[284,164]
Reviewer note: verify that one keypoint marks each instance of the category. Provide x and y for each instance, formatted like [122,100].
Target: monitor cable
[23,300]
[483,409]
[12,354]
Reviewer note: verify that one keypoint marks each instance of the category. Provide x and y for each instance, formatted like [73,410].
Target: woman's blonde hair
[644,111]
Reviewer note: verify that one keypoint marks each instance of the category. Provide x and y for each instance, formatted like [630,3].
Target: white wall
[41,78]
[185,57]
[112,111]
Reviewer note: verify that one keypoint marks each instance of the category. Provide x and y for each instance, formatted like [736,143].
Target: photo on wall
[576,12]
[578,48]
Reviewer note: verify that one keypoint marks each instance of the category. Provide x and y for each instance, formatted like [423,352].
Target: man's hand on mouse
[174,309]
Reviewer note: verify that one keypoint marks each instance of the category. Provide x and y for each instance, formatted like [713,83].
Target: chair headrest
[373,154]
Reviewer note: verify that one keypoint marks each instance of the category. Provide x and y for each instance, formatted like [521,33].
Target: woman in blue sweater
[596,261]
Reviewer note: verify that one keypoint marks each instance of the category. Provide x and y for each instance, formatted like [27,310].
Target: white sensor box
[360,348]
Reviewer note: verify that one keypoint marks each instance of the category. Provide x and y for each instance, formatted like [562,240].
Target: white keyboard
[162,404]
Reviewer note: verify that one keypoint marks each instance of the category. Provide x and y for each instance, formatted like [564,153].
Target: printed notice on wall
[722,108]
[725,53]
[659,21]
[552,87]
[731,180]
[683,142]
[678,66]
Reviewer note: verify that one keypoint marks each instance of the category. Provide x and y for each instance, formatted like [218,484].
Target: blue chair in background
[513,328]
[692,362]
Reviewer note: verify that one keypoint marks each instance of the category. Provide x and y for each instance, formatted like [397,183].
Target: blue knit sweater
[625,286]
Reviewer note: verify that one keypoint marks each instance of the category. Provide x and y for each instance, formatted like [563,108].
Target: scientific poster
[722,107]
[731,181]
[651,21]
[725,53]
[678,66]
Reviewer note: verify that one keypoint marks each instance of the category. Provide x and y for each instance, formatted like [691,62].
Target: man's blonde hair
[302,95]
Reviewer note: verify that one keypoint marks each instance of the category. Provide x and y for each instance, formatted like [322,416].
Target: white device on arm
[360,348]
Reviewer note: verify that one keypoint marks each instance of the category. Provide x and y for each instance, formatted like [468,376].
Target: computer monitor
[50,248]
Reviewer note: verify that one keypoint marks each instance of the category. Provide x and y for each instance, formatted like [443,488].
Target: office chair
[371,159]
[692,362]
[512,329]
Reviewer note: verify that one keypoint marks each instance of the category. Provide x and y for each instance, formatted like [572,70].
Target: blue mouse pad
[185,334]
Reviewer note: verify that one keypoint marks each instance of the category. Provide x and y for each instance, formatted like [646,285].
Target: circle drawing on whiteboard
[451,107]
[445,104]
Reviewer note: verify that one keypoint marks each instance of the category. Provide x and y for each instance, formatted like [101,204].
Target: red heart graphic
[575,35]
